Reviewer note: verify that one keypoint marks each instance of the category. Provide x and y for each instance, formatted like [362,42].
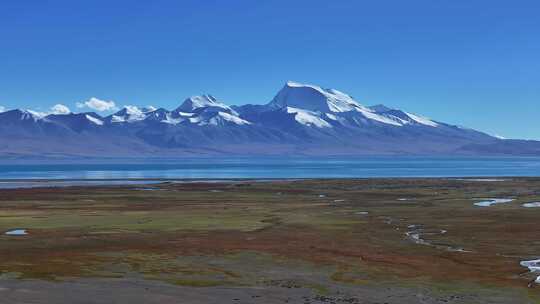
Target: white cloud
[60,109]
[98,105]
[2,109]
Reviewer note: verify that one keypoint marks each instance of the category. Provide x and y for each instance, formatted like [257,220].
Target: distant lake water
[217,168]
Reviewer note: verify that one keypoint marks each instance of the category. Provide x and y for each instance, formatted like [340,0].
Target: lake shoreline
[77,182]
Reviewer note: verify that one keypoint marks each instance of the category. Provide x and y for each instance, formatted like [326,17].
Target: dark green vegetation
[322,235]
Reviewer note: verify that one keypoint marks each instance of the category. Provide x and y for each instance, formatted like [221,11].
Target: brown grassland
[337,240]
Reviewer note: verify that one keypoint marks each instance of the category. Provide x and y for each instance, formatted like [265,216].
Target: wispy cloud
[60,109]
[2,109]
[98,105]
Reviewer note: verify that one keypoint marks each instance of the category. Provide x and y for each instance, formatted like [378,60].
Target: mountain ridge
[302,119]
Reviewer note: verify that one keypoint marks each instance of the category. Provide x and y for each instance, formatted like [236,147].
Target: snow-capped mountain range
[302,119]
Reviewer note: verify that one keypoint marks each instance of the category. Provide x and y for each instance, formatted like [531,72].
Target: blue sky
[473,63]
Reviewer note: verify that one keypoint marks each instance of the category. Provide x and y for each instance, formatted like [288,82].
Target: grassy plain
[346,240]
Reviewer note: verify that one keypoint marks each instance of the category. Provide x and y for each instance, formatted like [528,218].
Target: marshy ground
[306,241]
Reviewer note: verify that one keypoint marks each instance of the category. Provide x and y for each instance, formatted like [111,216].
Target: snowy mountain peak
[314,98]
[130,114]
[18,114]
[198,102]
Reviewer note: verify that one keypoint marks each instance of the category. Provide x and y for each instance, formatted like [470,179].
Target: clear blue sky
[469,62]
